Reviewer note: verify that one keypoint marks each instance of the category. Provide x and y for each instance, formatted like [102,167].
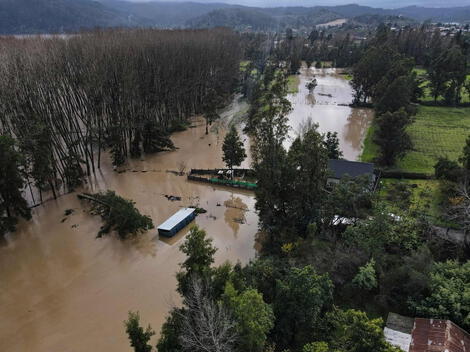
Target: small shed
[177,222]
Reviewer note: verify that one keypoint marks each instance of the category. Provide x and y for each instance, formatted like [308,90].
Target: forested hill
[52,16]
[296,17]
[265,19]
[164,13]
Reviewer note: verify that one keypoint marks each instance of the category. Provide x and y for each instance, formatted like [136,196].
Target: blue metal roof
[174,220]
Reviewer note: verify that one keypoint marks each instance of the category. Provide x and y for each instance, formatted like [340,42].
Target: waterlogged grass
[436,132]
[293,84]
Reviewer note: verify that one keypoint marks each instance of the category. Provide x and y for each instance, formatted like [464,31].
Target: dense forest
[64,102]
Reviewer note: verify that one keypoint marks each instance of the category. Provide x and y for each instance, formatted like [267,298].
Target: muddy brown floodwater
[61,289]
[329,107]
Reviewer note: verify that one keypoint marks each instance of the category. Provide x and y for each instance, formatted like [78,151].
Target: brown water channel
[61,289]
[329,107]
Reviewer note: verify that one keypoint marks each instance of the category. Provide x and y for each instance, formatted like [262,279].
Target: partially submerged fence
[229,183]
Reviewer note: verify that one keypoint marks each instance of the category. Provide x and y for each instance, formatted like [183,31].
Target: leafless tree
[122,90]
[207,326]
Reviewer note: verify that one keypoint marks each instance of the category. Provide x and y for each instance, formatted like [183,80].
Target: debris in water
[69,212]
[212,217]
[239,220]
[74,226]
[173,172]
[64,220]
[199,210]
[173,198]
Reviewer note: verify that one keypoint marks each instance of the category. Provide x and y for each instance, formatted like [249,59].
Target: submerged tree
[118,214]
[66,101]
[234,153]
[12,203]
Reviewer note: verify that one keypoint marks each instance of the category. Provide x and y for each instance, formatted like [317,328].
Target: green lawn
[293,84]
[436,132]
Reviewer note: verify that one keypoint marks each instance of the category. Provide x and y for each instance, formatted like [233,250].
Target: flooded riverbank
[61,289]
[329,107]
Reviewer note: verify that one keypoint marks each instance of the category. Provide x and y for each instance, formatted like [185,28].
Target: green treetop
[234,153]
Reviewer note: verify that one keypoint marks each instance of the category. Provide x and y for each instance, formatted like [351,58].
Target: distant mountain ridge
[57,16]
[51,16]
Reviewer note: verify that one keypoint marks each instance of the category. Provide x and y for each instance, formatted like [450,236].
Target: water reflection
[234,214]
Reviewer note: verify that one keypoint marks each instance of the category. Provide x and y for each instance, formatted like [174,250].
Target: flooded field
[61,289]
[328,106]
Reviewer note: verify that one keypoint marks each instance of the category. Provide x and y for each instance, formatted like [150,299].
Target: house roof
[341,168]
[434,335]
[426,335]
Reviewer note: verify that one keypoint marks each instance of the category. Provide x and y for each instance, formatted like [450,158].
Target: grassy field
[436,132]
[293,84]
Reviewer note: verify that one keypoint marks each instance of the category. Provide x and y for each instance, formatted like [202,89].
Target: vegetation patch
[118,214]
[421,197]
[293,83]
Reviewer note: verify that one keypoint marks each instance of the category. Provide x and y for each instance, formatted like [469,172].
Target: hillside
[51,16]
[238,18]
[164,14]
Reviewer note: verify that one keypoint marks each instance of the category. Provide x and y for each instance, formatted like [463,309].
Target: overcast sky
[373,3]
